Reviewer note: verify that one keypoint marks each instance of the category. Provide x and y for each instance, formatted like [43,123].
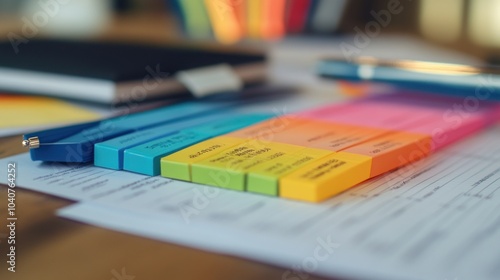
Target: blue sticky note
[109,154]
[145,158]
[231,124]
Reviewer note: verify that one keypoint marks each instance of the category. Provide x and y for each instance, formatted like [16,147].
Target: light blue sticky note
[230,124]
[109,154]
[145,158]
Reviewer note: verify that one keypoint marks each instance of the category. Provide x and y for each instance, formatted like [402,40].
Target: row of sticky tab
[316,154]
[308,156]
[306,159]
[140,151]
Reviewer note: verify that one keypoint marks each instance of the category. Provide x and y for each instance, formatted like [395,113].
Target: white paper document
[436,219]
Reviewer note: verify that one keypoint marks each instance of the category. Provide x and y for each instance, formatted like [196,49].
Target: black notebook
[120,73]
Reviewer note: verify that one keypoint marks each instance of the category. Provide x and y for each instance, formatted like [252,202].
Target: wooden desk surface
[49,247]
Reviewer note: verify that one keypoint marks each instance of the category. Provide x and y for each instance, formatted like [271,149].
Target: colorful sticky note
[34,111]
[326,177]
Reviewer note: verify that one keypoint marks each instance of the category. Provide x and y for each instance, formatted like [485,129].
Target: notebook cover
[111,61]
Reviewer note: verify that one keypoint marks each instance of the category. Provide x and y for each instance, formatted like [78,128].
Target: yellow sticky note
[32,111]
[326,177]
[264,178]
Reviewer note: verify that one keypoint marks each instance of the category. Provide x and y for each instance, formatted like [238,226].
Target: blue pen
[482,83]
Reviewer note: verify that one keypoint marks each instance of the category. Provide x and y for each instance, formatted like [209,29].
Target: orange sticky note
[327,135]
[267,130]
[393,150]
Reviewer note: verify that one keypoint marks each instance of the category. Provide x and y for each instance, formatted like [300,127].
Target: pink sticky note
[374,114]
[446,130]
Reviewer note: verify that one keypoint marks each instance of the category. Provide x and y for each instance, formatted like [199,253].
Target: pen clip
[36,139]
[32,142]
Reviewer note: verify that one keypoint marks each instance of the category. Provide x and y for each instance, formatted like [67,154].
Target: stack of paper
[436,219]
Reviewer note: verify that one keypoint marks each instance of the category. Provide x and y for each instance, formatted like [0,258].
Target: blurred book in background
[116,73]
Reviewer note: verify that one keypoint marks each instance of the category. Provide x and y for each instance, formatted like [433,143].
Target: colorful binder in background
[254,14]
[297,13]
[273,18]
[225,20]
[195,18]
[234,20]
